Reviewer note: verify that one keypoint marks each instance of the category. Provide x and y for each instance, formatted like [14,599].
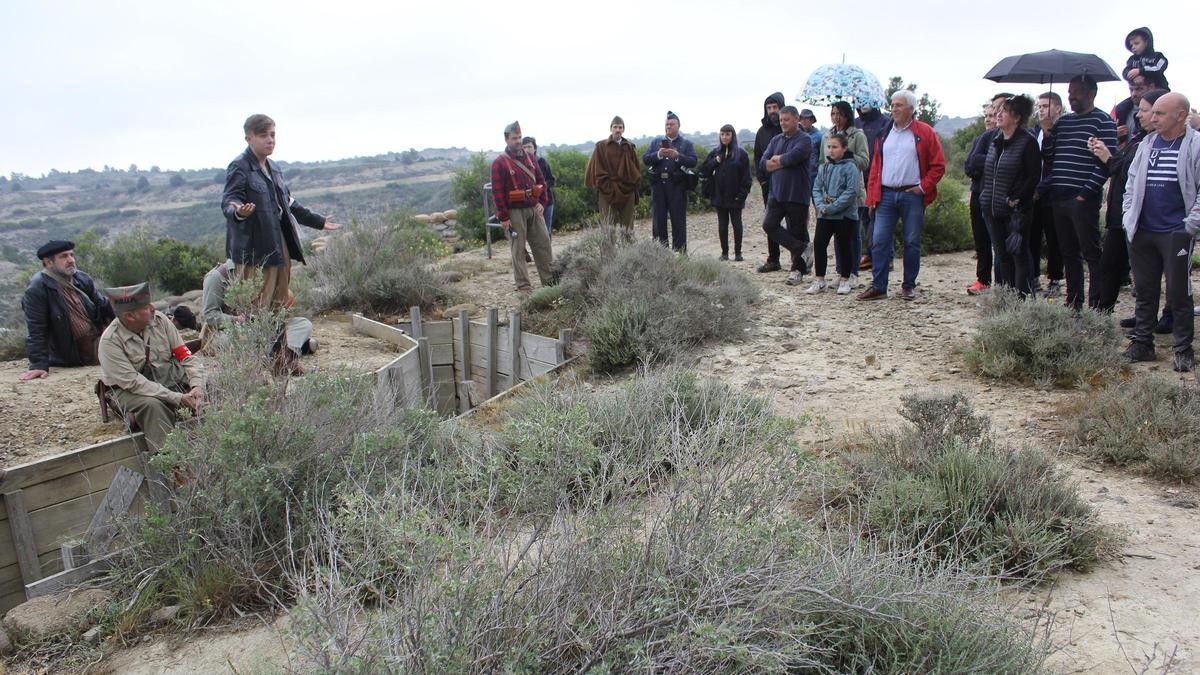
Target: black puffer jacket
[731,177]
[1118,168]
[769,129]
[1011,171]
[49,342]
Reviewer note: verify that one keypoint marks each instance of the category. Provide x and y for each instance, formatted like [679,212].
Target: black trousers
[1155,255]
[772,246]
[1077,223]
[795,237]
[983,243]
[1042,225]
[1013,268]
[1114,266]
[843,231]
[724,216]
[669,198]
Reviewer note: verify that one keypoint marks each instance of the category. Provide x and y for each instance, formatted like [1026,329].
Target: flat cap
[53,248]
[129,298]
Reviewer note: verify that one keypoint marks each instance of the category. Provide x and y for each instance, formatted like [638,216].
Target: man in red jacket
[906,165]
[520,193]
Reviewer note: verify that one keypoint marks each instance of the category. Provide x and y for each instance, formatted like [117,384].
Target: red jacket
[930,159]
[506,175]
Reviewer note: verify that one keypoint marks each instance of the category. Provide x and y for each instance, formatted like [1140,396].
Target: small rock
[954,371]
[53,614]
[92,636]
[871,359]
[790,346]
[165,614]
[452,312]
[453,276]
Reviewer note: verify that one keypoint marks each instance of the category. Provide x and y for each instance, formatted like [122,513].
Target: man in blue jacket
[666,160]
[787,159]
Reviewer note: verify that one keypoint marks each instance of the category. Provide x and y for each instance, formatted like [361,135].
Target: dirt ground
[845,365]
[44,417]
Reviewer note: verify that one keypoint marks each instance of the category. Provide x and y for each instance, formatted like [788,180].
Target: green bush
[1043,343]
[946,487]
[380,267]
[574,201]
[466,189]
[170,265]
[948,220]
[1148,422]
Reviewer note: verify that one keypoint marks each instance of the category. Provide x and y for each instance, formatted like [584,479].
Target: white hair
[909,97]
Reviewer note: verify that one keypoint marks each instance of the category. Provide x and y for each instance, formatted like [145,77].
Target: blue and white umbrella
[842,82]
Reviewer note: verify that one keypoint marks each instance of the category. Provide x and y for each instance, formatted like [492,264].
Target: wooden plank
[116,503]
[68,578]
[514,333]
[438,332]
[86,482]
[442,355]
[63,522]
[426,371]
[464,339]
[466,389]
[382,331]
[490,331]
[564,343]
[25,475]
[22,535]
[539,347]
[418,330]
[74,554]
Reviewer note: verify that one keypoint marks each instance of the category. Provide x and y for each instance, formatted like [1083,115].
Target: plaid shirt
[507,177]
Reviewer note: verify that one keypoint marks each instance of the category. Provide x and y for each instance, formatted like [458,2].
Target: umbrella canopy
[1051,66]
[842,82]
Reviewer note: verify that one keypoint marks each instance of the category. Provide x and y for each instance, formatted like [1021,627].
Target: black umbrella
[1050,67]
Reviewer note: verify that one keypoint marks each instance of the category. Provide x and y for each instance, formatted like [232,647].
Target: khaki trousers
[530,227]
[613,214]
[155,416]
[275,281]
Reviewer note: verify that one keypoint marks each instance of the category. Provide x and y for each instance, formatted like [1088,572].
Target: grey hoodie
[1189,182]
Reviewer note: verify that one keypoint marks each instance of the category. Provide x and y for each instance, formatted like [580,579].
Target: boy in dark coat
[1142,58]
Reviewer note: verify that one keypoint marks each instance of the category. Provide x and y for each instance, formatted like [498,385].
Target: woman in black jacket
[727,170]
[1114,256]
[1010,175]
[529,143]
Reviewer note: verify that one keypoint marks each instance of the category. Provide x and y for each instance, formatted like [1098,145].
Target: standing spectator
[529,143]
[519,190]
[666,160]
[1114,256]
[808,124]
[770,129]
[786,160]
[1142,58]
[615,173]
[858,149]
[1125,114]
[1076,181]
[1162,220]
[973,167]
[1012,169]
[835,199]
[906,165]
[261,216]
[728,166]
[1050,108]
[873,122]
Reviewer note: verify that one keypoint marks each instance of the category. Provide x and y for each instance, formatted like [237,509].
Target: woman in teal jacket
[836,198]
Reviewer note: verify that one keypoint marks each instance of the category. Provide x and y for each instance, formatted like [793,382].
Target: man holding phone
[666,160]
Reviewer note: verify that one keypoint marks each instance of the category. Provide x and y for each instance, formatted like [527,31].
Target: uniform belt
[900,188]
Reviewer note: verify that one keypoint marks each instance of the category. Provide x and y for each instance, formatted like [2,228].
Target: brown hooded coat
[614,171]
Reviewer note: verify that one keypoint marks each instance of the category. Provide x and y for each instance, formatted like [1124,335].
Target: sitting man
[215,315]
[144,361]
[63,312]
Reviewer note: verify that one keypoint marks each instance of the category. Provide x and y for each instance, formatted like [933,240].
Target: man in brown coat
[615,173]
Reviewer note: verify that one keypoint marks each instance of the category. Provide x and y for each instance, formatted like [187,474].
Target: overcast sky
[116,82]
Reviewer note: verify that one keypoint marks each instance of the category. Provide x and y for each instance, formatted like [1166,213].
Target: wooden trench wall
[53,503]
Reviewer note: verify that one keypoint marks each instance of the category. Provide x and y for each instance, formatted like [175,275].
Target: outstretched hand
[332,226]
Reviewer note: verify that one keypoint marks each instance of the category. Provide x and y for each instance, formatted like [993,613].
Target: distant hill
[948,125]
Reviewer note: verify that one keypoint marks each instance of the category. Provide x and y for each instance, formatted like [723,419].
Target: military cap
[53,248]
[617,120]
[672,116]
[129,298]
[512,128]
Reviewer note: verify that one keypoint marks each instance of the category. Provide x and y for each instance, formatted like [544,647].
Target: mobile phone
[664,144]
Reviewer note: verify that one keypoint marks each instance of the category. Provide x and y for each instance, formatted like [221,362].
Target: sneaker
[724,257]
[794,278]
[770,266]
[1139,351]
[1165,325]
[909,294]
[1185,361]
[738,257]
[872,293]
[844,287]
[864,263]
[855,282]
[977,288]
[818,285]
[1129,322]
[1053,289]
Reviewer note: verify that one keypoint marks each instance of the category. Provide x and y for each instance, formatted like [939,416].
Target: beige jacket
[122,356]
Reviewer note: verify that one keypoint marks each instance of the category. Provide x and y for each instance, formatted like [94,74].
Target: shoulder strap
[511,163]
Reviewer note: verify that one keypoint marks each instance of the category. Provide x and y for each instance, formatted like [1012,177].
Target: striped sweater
[1073,171]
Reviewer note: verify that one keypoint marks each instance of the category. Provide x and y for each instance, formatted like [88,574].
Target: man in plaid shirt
[520,193]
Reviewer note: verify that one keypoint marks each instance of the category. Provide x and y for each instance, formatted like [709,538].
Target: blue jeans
[549,216]
[908,207]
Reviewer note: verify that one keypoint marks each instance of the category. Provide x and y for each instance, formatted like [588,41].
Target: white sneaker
[818,285]
[844,287]
[854,281]
[794,278]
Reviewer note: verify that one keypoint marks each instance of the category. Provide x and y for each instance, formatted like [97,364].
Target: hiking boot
[1128,322]
[977,288]
[724,257]
[1139,351]
[770,266]
[1165,324]
[817,286]
[1053,289]
[864,263]
[737,257]
[844,287]
[794,278]
[872,293]
[1185,361]
[909,294]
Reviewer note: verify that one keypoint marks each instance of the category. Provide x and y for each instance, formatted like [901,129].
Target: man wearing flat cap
[519,191]
[143,358]
[666,160]
[615,173]
[64,313]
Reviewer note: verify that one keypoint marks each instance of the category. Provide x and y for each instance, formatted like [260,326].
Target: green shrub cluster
[466,189]
[947,487]
[170,265]
[948,220]
[1043,343]
[380,267]
[1148,422]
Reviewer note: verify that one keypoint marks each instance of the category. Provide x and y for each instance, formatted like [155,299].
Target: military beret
[129,298]
[513,128]
[53,248]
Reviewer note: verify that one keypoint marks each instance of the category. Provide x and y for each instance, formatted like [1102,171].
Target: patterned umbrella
[842,82]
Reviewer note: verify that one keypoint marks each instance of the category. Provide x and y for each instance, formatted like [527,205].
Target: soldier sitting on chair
[143,360]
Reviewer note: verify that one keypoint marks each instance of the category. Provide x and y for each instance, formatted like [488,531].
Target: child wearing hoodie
[1143,59]
[836,198]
